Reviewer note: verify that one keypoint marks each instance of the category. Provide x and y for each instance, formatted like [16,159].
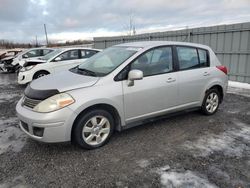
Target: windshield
[108,60]
[50,55]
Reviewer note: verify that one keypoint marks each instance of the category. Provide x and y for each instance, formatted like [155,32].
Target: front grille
[31,103]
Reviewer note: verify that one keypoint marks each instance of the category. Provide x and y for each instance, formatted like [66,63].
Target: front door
[157,91]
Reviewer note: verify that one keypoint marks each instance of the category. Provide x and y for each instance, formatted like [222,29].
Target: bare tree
[130,26]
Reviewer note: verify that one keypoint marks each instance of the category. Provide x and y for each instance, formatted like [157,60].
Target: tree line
[5,44]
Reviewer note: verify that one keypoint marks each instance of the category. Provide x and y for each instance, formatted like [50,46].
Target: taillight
[222,68]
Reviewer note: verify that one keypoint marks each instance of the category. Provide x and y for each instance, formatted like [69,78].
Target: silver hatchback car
[120,87]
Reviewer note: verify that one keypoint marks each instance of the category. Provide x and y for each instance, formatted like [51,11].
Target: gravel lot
[188,150]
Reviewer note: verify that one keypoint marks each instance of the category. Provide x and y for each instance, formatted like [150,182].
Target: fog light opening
[38,131]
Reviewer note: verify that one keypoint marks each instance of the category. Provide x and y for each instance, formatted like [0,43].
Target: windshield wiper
[87,72]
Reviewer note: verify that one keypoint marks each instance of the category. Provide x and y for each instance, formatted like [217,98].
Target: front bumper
[46,127]
[24,77]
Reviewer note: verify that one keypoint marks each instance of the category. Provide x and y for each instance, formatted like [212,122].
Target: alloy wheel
[212,102]
[96,130]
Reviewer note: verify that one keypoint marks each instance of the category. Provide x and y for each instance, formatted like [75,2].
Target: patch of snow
[238,85]
[143,163]
[183,179]
[233,142]
[239,91]
[11,137]
[16,182]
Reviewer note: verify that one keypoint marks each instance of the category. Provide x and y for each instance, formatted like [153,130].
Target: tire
[88,133]
[211,102]
[40,74]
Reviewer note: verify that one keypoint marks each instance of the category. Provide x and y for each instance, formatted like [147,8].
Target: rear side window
[204,59]
[188,58]
[87,53]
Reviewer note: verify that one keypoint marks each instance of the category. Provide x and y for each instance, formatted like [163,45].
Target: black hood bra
[39,94]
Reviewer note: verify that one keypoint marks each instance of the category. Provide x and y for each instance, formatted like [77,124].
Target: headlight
[27,68]
[53,103]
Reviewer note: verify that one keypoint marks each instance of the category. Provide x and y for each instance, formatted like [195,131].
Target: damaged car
[14,64]
[59,60]
[7,57]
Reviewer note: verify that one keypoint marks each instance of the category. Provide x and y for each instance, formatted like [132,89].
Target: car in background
[17,62]
[9,53]
[57,61]
[120,87]
[6,58]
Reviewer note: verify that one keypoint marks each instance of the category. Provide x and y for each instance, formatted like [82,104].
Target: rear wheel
[93,129]
[211,102]
[40,74]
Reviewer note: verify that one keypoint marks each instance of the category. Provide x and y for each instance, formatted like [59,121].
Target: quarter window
[156,61]
[203,56]
[188,58]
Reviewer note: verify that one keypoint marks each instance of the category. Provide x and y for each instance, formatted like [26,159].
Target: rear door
[157,91]
[194,73]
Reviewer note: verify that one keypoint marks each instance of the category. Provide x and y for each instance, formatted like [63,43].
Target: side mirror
[58,59]
[134,75]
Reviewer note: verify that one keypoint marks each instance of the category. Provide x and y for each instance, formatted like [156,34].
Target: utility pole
[45,30]
[36,42]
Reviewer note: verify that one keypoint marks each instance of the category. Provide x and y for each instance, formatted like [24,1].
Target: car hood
[63,81]
[29,62]
[7,58]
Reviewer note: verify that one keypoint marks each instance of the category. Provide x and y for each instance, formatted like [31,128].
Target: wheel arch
[103,106]
[38,71]
[219,88]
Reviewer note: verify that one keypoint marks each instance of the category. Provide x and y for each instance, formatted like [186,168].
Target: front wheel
[93,129]
[211,102]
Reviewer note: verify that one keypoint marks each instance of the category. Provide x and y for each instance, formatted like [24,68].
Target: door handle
[206,74]
[169,80]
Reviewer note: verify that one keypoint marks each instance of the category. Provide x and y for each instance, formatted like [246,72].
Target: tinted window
[156,61]
[69,55]
[87,53]
[203,55]
[188,58]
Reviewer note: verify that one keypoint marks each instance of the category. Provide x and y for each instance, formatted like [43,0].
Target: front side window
[69,55]
[156,61]
[32,53]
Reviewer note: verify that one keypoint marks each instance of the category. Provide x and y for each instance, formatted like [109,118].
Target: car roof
[149,44]
[75,48]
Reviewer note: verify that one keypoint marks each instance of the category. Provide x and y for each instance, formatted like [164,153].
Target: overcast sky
[22,20]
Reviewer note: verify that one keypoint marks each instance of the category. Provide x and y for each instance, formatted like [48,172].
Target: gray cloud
[22,20]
